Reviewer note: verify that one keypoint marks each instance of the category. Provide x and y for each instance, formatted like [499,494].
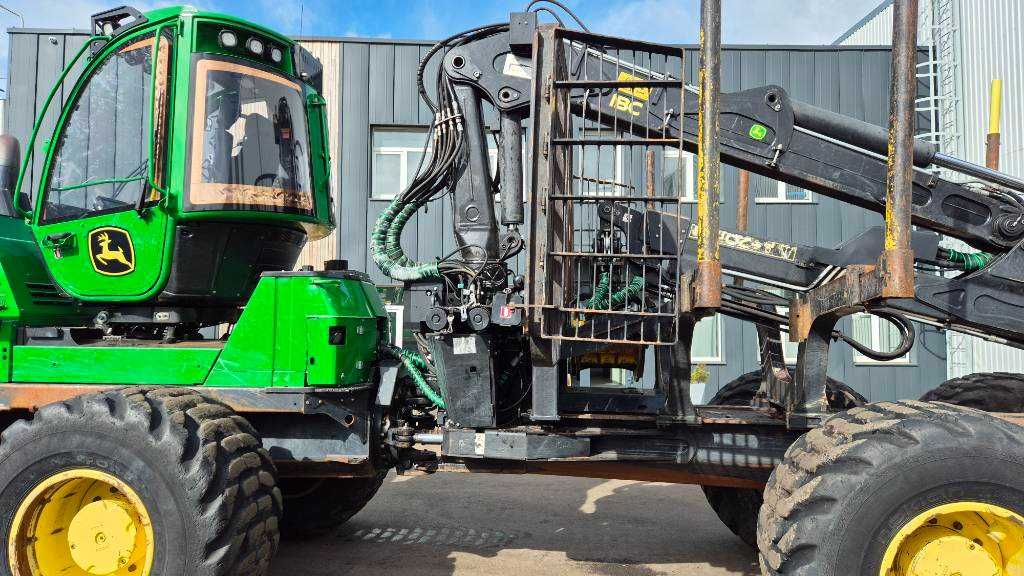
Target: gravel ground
[481,524]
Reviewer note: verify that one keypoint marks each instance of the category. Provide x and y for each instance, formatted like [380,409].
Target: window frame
[714,360]
[160,148]
[205,62]
[401,151]
[689,187]
[876,327]
[780,196]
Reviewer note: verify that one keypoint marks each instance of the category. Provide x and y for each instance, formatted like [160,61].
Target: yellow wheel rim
[81,522]
[958,539]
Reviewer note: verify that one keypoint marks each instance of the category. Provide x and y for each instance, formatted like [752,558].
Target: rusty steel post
[649,182]
[995,105]
[708,281]
[897,261]
[742,200]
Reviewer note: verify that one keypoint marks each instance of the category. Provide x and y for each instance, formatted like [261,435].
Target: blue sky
[744,21]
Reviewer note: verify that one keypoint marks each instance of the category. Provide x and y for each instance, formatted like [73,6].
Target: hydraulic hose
[386,249]
[600,298]
[969,260]
[903,326]
[750,310]
[414,364]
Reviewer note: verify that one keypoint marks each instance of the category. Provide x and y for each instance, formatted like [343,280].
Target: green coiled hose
[386,245]
[600,300]
[415,364]
[970,260]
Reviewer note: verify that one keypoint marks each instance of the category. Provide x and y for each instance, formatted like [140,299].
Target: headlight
[255,46]
[276,55]
[228,39]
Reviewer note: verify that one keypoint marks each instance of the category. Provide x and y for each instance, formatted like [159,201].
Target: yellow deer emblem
[111,251]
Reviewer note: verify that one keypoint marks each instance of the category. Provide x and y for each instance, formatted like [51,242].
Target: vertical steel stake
[708,282]
[897,262]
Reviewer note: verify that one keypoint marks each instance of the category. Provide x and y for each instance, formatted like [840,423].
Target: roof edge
[860,23]
[785,47]
[409,41]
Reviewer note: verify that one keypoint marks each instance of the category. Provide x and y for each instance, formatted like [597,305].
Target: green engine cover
[318,329]
[305,329]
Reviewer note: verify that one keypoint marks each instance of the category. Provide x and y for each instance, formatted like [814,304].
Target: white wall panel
[988,34]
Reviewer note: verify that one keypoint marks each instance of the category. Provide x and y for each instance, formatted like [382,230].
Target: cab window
[250,147]
[101,162]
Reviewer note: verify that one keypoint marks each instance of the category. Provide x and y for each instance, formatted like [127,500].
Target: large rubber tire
[737,508]
[741,391]
[207,485]
[843,490]
[318,506]
[988,391]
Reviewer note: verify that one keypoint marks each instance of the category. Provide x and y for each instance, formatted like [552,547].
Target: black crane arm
[763,131]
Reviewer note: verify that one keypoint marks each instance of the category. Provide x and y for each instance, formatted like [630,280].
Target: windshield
[249,141]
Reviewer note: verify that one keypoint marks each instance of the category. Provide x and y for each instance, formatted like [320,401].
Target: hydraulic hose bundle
[433,177]
[445,156]
[415,364]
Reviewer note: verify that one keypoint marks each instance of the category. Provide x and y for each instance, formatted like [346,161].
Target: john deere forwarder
[189,166]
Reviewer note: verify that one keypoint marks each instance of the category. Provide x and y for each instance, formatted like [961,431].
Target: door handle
[59,239]
[58,242]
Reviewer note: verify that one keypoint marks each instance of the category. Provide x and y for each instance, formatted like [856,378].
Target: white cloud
[665,21]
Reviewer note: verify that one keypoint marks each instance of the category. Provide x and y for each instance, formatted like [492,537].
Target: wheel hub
[959,539]
[81,522]
[101,537]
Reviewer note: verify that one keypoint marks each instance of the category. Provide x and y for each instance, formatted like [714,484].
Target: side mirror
[10,164]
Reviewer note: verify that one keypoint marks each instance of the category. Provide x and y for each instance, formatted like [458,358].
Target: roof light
[276,55]
[255,45]
[228,39]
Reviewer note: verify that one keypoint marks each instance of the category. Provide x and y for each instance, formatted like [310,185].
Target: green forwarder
[184,175]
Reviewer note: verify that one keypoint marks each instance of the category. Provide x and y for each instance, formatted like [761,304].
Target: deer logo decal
[111,251]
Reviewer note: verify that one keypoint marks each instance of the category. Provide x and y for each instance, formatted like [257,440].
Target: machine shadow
[487,524]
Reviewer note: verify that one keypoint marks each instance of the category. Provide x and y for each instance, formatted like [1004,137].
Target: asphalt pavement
[483,524]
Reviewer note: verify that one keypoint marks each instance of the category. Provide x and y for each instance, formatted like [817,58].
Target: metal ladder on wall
[941,70]
[939,29]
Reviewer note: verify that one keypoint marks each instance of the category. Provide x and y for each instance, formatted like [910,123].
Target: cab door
[98,217]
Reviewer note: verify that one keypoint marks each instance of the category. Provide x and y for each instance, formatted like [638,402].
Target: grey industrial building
[378,125]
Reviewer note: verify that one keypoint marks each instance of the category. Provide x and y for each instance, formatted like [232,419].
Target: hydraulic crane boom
[762,130]
[611,262]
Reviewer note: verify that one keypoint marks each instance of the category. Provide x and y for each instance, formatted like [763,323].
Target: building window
[773,192]
[396,155]
[790,350]
[877,334]
[707,341]
[677,175]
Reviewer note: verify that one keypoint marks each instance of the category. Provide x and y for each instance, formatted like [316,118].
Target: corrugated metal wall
[37,58]
[372,83]
[988,38]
